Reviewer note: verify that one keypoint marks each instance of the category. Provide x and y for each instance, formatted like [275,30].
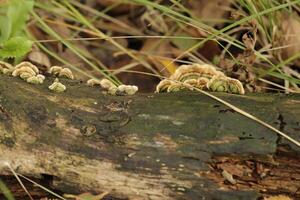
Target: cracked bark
[149,146]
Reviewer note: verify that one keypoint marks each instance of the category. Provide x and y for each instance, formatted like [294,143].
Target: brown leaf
[40,59]
[279,197]
[289,36]
[120,7]
[211,10]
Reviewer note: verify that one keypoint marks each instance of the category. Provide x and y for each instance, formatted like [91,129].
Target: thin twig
[19,180]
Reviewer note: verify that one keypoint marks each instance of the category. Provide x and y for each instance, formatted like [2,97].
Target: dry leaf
[209,10]
[86,196]
[289,36]
[40,59]
[279,197]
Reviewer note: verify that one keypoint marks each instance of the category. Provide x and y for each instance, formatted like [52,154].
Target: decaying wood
[149,146]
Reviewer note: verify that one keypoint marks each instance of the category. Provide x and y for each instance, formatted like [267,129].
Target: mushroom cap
[106,84]
[235,86]
[25,75]
[190,83]
[188,76]
[36,79]
[202,83]
[195,70]
[56,86]
[163,85]
[198,83]
[202,76]
[218,84]
[41,77]
[7,71]
[5,67]
[23,70]
[175,87]
[93,82]
[55,70]
[122,88]
[130,89]
[66,72]
[27,64]
[113,90]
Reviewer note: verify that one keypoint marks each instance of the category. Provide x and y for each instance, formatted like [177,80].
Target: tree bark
[149,146]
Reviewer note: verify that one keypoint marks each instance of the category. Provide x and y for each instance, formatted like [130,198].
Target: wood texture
[149,146]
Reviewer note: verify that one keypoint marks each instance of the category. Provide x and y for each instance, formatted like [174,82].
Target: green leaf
[5,28]
[5,23]
[18,13]
[5,191]
[15,47]
[13,17]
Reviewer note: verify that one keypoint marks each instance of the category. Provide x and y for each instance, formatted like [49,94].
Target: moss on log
[149,146]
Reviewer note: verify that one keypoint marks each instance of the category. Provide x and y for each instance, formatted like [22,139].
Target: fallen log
[149,146]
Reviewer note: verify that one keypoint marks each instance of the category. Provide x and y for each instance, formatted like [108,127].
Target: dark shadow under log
[149,146]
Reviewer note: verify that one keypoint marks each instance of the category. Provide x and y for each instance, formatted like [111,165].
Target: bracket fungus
[126,90]
[112,91]
[6,68]
[57,86]
[195,71]
[23,73]
[218,84]
[55,70]
[163,85]
[225,84]
[175,87]
[201,76]
[28,72]
[61,72]
[107,84]
[121,90]
[25,70]
[200,83]
[131,89]
[26,64]
[66,72]
[93,82]
[38,79]
[235,86]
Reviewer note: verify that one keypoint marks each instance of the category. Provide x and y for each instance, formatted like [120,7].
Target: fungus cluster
[57,86]
[28,72]
[186,77]
[6,68]
[93,82]
[61,72]
[204,77]
[38,79]
[111,88]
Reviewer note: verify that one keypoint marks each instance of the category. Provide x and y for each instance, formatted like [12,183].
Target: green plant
[5,191]
[78,17]
[13,17]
